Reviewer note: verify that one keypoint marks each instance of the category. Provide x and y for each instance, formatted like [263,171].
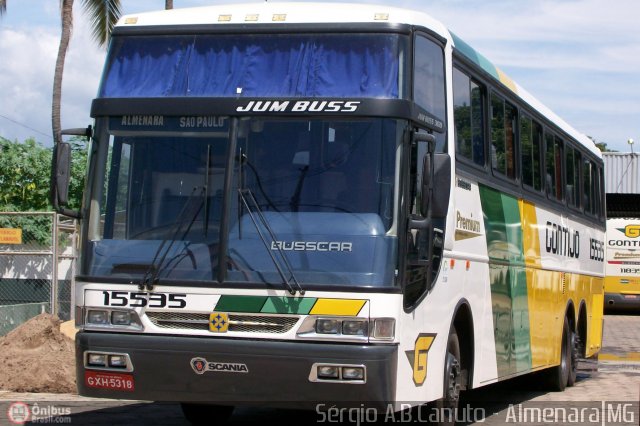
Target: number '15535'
[143,299]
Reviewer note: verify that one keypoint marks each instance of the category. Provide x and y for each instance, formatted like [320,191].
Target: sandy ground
[38,357]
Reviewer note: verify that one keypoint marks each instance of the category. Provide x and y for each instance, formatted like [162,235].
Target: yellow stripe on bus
[348,307]
[530,237]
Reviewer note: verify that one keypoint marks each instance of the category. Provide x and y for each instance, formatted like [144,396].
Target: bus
[308,205]
[622,278]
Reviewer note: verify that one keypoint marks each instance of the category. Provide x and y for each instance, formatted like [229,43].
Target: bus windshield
[320,192]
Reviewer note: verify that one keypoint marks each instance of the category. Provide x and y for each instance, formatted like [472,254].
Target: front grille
[237,322]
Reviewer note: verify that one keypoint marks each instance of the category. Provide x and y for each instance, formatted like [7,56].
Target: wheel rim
[453,385]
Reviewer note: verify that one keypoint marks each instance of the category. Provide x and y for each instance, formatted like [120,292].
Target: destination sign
[198,123]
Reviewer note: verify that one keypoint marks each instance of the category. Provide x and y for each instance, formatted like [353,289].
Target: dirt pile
[37,357]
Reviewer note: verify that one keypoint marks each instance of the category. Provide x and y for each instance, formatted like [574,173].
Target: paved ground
[609,396]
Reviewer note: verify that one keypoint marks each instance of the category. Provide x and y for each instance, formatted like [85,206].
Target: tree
[602,146]
[24,176]
[24,187]
[103,14]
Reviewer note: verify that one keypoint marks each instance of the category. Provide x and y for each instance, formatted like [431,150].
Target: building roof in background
[621,174]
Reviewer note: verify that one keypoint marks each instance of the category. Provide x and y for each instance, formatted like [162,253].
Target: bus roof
[309,13]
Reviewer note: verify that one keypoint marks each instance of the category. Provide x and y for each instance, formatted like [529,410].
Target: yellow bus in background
[622,280]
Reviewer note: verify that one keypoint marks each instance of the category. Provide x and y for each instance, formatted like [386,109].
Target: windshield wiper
[190,209]
[246,195]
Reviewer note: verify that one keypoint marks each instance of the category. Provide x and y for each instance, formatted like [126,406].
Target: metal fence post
[54,278]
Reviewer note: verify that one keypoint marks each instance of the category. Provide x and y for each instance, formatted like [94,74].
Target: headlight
[117,361]
[97,360]
[120,319]
[328,372]
[98,317]
[355,327]
[108,361]
[327,326]
[353,373]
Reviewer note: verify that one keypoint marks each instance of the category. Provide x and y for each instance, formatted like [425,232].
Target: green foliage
[24,176]
[602,146]
[25,171]
[36,230]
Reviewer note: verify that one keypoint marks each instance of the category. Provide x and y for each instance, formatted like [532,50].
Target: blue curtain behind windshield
[253,66]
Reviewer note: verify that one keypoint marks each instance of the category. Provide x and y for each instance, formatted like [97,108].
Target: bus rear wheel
[205,414]
[564,374]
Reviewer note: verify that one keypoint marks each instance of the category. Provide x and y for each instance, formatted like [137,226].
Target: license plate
[108,380]
[630,296]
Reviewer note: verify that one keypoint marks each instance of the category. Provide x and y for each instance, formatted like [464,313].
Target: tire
[204,414]
[452,382]
[558,376]
[574,343]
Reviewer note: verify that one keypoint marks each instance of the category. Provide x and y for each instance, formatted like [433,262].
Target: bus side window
[468,114]
[429,87]
[553,161]
[591,188]
[503,138]
[573,177]
[531,149]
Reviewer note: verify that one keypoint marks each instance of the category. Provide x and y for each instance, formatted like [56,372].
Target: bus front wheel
[448,405]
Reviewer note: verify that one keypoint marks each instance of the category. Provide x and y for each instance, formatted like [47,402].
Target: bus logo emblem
[418,357]
[218,322]
[201,366]
[631,231]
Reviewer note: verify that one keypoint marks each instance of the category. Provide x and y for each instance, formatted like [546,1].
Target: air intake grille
[237,322]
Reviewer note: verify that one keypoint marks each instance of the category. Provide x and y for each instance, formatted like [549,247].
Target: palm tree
[103,14]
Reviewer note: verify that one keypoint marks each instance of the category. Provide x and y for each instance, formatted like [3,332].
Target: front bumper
[278,371]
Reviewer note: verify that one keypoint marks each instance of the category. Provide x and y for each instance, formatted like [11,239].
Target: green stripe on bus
[265,305]
[508,281]
[288,305]
[251,304]
[475,56]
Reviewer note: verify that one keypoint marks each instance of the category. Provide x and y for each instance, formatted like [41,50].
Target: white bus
[316,205]
[622,279]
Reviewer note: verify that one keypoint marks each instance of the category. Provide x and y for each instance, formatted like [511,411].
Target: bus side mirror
[441,185]
[61,172]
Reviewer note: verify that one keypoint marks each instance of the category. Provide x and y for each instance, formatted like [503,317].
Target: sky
[581,58]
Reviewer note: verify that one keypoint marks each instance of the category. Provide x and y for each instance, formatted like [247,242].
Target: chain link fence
[37,266]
